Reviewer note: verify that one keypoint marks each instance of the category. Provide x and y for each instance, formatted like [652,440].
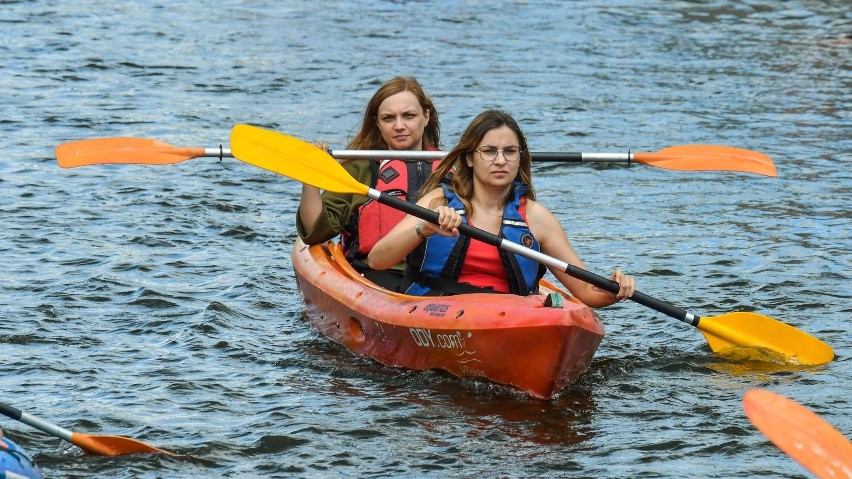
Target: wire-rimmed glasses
[511,153]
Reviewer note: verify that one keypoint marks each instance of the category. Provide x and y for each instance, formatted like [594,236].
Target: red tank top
[483,267]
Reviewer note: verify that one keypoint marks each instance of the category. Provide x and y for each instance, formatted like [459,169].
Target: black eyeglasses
[511,153]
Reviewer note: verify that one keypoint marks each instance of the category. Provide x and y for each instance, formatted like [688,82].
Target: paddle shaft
[579,273]
[410,155]
[424,155]
[35,422]
[694,157]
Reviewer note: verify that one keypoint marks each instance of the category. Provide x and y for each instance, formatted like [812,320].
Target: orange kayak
[538,344]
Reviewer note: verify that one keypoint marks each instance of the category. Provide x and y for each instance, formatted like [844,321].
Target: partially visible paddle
[101,445]
[800,433]
[684,157]
[98,151]
[681,157]
[304,162]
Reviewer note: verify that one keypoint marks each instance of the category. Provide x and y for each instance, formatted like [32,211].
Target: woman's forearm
[394,247]
[310,206]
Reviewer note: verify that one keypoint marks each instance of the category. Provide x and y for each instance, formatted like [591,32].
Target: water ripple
[159,303]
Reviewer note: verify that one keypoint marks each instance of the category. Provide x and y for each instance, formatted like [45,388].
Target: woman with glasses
[490,189]
[399,116]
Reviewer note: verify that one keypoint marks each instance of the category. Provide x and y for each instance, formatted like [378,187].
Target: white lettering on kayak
[424,338]
[471,371]
[450,341]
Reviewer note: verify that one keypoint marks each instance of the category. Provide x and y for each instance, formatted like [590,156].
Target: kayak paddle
[305,163]
[681,157]
[101,445]
[801,433]
[153,152]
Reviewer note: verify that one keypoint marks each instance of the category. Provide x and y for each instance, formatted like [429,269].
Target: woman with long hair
[399,116]
[490,188]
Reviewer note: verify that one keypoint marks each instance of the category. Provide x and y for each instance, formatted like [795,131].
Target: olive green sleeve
[337,208]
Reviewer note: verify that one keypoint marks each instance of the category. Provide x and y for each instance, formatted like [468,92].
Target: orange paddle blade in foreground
[800,433]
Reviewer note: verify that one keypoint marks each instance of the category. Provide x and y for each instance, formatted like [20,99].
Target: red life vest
[374,220]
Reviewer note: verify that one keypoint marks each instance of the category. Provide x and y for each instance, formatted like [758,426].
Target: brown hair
[462,174]
[370,138]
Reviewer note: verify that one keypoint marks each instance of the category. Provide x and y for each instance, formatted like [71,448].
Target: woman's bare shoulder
[537,210]
[436,193]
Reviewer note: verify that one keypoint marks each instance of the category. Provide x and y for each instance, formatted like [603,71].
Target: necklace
[493,214]
[482,209]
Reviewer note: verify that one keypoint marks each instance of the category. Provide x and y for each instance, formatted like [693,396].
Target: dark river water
[159,302]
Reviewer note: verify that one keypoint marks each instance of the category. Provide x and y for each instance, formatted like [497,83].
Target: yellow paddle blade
[99,151]
[293,158]
[709,158]
[112,445]
[801,433]
[739,332]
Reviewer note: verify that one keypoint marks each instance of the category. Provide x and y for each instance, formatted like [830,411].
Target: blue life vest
[15,463]
[433,268]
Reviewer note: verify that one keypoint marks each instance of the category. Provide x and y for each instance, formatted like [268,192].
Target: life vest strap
[441,286]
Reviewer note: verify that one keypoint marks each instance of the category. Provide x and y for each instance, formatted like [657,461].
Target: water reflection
[488,409]
[754,361]
[171,288]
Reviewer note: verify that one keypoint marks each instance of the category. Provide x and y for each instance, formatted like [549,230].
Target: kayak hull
[508,339]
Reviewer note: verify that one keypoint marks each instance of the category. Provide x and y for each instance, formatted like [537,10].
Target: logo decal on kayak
[527,240]
[425,339]
[436,310]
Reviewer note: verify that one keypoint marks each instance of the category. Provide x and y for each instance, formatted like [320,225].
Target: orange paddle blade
[709,158]
[98,151]
[799,432]
[112,445]
[104,445]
